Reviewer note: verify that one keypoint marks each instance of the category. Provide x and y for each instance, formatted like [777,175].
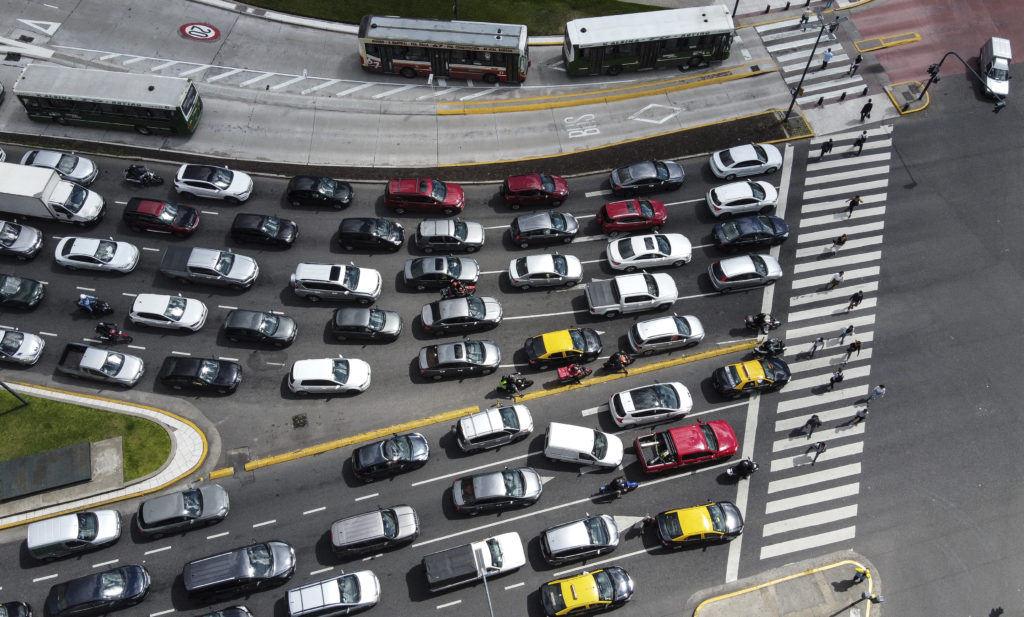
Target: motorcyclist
[136,172]
[747,467]
[87,302]
[771,347]
[509,383]
[620,360]
[617,486]
[575,371]
[457,289]
[107,330]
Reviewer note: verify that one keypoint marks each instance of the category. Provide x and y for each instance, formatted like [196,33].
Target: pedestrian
[812,423]
[865,112]
[825,58]
[859,574]
[836,279]
[861,140]
[878,392]
[853,203]
[825,148]
[642,524]
[837,377]
[838,244]
[828,4]
[804,18]
[855,300]
[845,333]
[818,342]
[854,346]
[859,416]
[819,448]
[856,64]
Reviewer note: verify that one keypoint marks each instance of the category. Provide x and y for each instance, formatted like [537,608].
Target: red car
[425,195]
[160,216]
[631,215]
[539,189]
[684,446]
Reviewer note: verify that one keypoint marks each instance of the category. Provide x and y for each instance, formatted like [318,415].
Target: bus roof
[652,25]
[458,34]
[62,82]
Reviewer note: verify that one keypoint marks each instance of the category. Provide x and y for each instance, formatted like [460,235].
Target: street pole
[735,7]
[933,70]
[477,560]
[13,393]
[796,91]
[455,8]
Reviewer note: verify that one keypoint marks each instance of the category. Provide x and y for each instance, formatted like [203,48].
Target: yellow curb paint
[884,42]
[545,44]
[899,108]
[224,472]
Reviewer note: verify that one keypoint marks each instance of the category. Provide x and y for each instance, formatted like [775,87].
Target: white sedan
[544,271]
[741,198]
[173,312]
[646,404]
[20,347]
[748,160]
[329,376]
[653,250]
[213,182]
[94,254]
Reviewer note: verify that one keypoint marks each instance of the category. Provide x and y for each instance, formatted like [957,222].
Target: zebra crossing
[810,506]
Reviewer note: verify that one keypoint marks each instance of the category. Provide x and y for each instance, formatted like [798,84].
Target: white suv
[318,282]
[213,182]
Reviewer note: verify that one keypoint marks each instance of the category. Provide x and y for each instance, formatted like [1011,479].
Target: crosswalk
[814,505]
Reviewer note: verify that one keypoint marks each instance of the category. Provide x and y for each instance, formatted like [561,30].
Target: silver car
[741,198]
[20,347]
[341,595]
[662,333]
[182,511]
[449,235]
[461,315]
[647,404]
[649,251]
[95,254]
[744,271]
[461,359]
[497,490]
[20,241]
[582,539]
[545,271]
[70,166]
[213,182]
[73,533]
[371,532]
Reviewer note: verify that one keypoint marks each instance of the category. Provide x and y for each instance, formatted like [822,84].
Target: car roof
[559,340]
[152,303]
[148,206]
[409,186]
[320,272]
[524,183]
[435,227]
[201,172]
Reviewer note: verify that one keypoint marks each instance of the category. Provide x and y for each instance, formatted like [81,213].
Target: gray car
[437,272]
[20,241]
[744,271]
[543,228]
[647,177]
[182,511]
[70,166]
[461,359]
[545,271]
[370,532]
[497,490]
[582,539]
[461,315]
[449,235]
[365,324]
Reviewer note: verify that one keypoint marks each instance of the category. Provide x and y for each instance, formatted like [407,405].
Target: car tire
[567,240]
[524,287]
[630,269]
[223,391]
[348,247]
[399,210]
[363,302]
[436,377]
[408,72]
[524,245]
[234,201]
[490,78]
[471,249]
[135,228]
[312,298]
[420,287]
[656,228]
[514,206]
[679,262]
[663,306]
[301,393]
[233,339]
[340,337]
[448,212]
[570,283]
[771,282]
[238,287]
[488,371]
[771,170]
[647,352]
[766,209]
[730,177]
[428,250]
[183,329]
[611,314]
[556,203]
[295,203]
[143,130]
[614,70]
[176,387]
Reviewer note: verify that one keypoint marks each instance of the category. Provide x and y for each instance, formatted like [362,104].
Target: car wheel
[730,177]
[349,247]
[766,209]
[448,211]
[771,170]
[135,228]
[524,245]
[302,393]
[176,387]
[71,267]
[614,70]
[420,287]
[408,73]
[647,352]
[238,286]
[488,371]
[679,262]
[696,61]
[340,337]
[143,130]
[471,249]
[490,78]
[183,329]
[656,228]
[771,282]
[514,206]
[611,314]
[630,269]
[296,203]
[278,344]
[313,298]
[436,377]
[567,240]
[428,250]
[233,339]
[663,306]
[524,287]
[234,201]
[570,283]
[223,391]
[542,367]
[399,210]
[364,301]
[556,203]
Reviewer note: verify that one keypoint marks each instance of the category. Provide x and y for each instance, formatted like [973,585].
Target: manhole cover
[24,38]
[299,421]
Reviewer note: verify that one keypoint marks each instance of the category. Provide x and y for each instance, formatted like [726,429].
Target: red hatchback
[534,189]
[424,195]
[160,216]
[684,446]
[632,215]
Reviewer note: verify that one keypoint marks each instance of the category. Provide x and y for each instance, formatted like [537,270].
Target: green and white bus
[108,99]
[685,38]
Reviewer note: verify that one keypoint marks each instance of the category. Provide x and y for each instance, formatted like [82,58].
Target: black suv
[370,233]
[260,327]
[263,229]
[319,191]
[239,571]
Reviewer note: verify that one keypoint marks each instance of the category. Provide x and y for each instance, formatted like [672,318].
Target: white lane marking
[579,239]
[199,68]
[547,314]
[48,333]
[139,347]
[370,496]
[314,510]
[618,557]
[218,535]
[226,358]
[157,550]
[848,161]
[381,95]
[808,499]
[86,288]
[484,92]
[227,308]
[791,546]
[276,364]
[105,563]
[594,410]
[160,67]
[493,227]
[597,193]
[841,204]
[449,604]
[816,477]
[264,523]
[472,469]
[321,570]
[353,89]
[437,93]
[285,84]
[222,75]
[210,212]
[44,578]
[258,78]
[494,272]
[158,613]
[372,557]
[329,82]
[180,353]
[514,585]
[151,248]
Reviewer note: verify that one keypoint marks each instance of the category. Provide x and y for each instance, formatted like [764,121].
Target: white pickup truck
[631,293]
[464,564]
[100,364]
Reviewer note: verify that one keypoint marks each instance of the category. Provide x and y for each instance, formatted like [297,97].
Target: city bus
[109,99]
[459,49]
[685,38]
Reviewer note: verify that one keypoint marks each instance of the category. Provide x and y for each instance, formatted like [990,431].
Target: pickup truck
[631,293]
[210,266]
[100,364]
[684,446]
[465,564]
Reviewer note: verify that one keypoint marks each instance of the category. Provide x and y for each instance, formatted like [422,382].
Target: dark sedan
[647,177]
[497,490]
[390,457]
[365,324]
[260,327]
[543,228]
[20,293]
[319,191]
[750,232]
[99,593]
[15,609]
[201,374]
[262,229]
[462,359]
[370,233]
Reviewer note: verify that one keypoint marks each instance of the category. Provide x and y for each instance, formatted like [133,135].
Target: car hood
[108,527]
[474,233]
[131,369]
[185,218]
[230,373]
[284,558]
[244,269]
[28,239]
[241,184]
[454,194]
[675,171]
[358,373]
[138,581]
[286,329]
[287,231]
[392,323]
[195,313]
[369,281]
[733,517]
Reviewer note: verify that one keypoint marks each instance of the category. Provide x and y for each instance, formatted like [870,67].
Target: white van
[576,444]
[994,63]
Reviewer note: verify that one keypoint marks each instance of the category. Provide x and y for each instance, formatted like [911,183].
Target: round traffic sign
[199,32]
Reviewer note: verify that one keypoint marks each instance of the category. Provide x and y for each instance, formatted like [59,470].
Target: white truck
[41,193]
[631,293]
[467,563]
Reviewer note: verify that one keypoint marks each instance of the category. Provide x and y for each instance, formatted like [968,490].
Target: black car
[20,293]
[233,611]
[750,232]
[15,609]
[647,177]
[390,457]
[263,229]
[370,233]
[319,191]
[99,593]
[203,374]
[543,228]
[260,327]
[437,272]
[367,324]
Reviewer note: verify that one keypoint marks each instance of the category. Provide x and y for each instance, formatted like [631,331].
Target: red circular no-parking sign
[199,32]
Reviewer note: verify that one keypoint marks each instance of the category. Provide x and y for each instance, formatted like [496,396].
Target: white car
[94,254]
[748,160]
[744,271]
[329,376]
[20,347]
[70,166]
[741,198]
[637,252]
[545,271]
[173,312]
[341,595]
[647,404]
[213,182]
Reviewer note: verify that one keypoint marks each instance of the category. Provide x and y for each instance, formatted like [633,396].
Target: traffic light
[933,70]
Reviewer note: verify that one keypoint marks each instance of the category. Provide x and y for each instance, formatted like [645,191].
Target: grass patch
[539,16]
[46,425]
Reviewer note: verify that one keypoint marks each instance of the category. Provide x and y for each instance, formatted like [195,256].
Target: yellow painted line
[224,472]
[900,107]
[887,41]
[544,43]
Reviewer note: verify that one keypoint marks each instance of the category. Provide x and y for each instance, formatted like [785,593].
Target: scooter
[141,176]
[769,348]
[618,487]
[109,333]
[617,362]
[573,373]
[463,291]
[93,305]
[743,469]
[513,384]
[762,322]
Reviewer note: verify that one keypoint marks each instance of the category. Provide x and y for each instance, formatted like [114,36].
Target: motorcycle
[769,348]
[617,362]
[743,469]
[762,322]
[618,487]
[461,291]
[141,176]
[93,305]
[513,384]
[109,333]
[573,373]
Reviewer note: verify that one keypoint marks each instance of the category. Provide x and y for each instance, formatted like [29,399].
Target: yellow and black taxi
[759,375]
[563,347]
[712,522]
[587,592]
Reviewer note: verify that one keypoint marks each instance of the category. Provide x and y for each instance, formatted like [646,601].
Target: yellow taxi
[563,347]
[711,522]
[587,592]
[758,375]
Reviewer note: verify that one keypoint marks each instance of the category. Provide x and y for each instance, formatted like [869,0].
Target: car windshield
[340,371]
[999,74]
[435,188]
[389,521]
[557,222]
[224,262]
[682,326]
[175,308]
[771,373]
[578,341]
[112,365]
[663,245]
[474,351]
[208,370]
[764,223]
[112,584]
[497,558]
[66,163]
[658,396]
[351,278]
[461,230]
[9,233]
[709,437]
[348,586]
[760,153]
[652,285]
[377,319]
[646,209]
[260,560]
[561,265]
[167,213]
[730,230]
[600,445]
[454,267]
[192,500]
[327,186]
[717,517]
[547,183]
[515,486]
[88,526]
[476,307]
[270,225]
[397,449]
[77,198]
[605,586]
[105,251]
[596,530]
[509,418]
[11,342]
[759,266]
[756,190]
[661,169]
[553,598]
[382,227]
[269,324]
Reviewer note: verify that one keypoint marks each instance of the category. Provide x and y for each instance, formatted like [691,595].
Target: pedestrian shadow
[799,432]
[843,585]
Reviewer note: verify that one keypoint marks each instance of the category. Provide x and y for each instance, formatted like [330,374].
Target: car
[449,235]
[534,189]
[685,446]
[494,491]
[318,191]
[746,160]
[231,611]
[264,229]
[581,539]
[669,332]
[182,511]
[424,195]
[342,595]
[493,427]
[647,177]
[543,228]
[582,445]
[329,376]
[20,293]
[213,182]
[164,311]
[99,593]
[545,270]
[750,232]
[365,324]
[94,254]
[370,532]
[744,271]
[260,327]
[758,375]
[742,197]
[239,571]
[649,404]
[437,272]
[619,217]
[461,359]
[20,241]
[370,233]
[160,217]
[68,165]
[20,347]
[200,374]
[70,534]
[648,251]
[587,592]
[316,281]
[563,347]
[461,315]
[712,522]
[390,457]
[15,609]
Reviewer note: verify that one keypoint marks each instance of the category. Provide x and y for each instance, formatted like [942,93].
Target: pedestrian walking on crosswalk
[826,58]
[812,423]
[856,64]
[855,300]
[877,392]
[838,244]
[836,279]
[837,377]
[818,343]
[852,204]
[862,138]
[825,148]
[804,19]
[819,448]
[865,112]
[845,333]
[854,347]
[859,416]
